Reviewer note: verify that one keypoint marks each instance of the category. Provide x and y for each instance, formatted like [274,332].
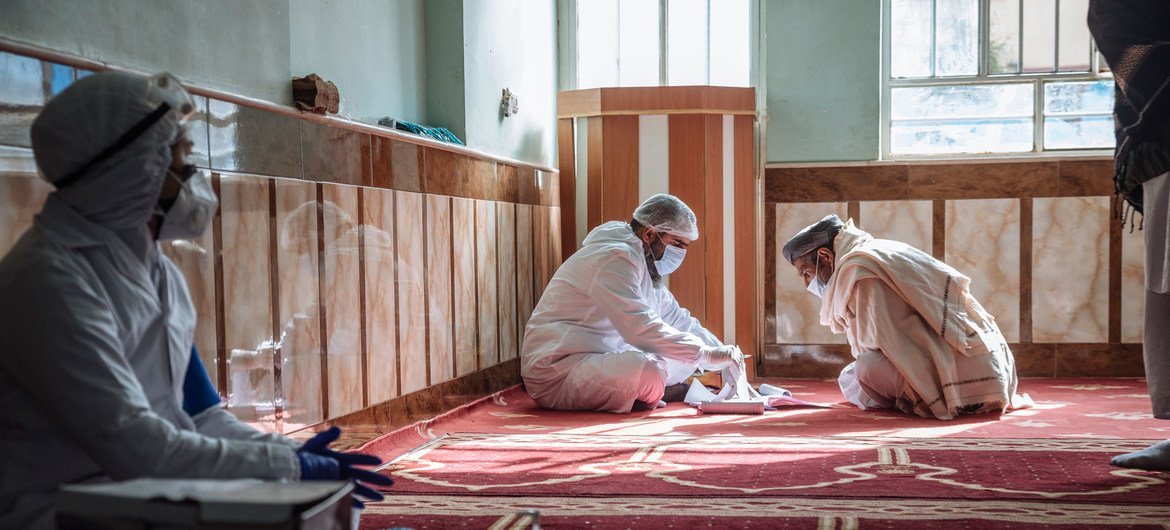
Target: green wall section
[445,77]
[823,79]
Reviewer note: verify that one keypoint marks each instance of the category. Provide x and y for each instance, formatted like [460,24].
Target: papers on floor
[741,398]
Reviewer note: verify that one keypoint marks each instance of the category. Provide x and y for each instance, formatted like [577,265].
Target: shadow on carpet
[1046,467]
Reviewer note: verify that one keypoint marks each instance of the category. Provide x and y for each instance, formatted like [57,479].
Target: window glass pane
[686,42]
[1039,40]
[1074,36]
[964,101]
[1078,132]
[1004,48]
[730,50]
[961,136]
[1102,64]
[638,43]
[957,37]
[910,38]
[1088,97]
[961,119]
[596,43]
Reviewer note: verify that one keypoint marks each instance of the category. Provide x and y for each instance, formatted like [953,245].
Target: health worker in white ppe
[98,377]
[607,335]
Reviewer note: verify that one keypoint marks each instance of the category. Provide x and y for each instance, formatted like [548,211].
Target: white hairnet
[87,118]
[666,213]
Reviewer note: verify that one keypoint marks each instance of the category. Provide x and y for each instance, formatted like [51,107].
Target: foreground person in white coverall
[923,344]
[606,334]
[98,379]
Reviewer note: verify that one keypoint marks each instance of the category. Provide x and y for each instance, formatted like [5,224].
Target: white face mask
[194,207]
[671,260]
[817,286]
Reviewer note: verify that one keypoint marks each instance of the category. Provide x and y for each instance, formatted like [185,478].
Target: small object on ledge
[438,133]
[314,94]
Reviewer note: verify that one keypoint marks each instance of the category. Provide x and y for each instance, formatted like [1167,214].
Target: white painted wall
[239,47]
[371,49]
[511,44]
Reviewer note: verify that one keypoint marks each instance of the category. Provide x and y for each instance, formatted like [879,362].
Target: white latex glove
[720,357]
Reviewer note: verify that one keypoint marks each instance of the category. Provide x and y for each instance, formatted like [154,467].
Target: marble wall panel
[247,299]
[22,95]
[397,165]
[412,315]
[797,311]
[381,324]
[983,242]
[440,308]
[253,141]
[910,222]
[506,279]
[554,235]
[463,260]
[197,127]
[486,272]
[299,306]
[341,297]
[524,298]
[334,154]
[540,251]
[1070,269]
[22,196]
[1133,284]
[196,260]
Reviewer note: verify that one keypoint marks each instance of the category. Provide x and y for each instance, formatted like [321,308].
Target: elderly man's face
[819,263]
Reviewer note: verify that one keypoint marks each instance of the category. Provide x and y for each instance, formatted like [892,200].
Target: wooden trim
[619,169]
[711,221]
[688,183]
[566,147]
[938,235]
[656,100]
[362,336]
[934,181]
[274,304]
[1115,233]
[596,173]
[1026,270]
[426,286]
[322,307]
[221,365]
[747,256]
[771,260]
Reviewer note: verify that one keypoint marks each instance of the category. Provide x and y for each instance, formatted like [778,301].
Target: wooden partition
[1038,238]
[621,145]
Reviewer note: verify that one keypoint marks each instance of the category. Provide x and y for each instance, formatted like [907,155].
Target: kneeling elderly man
[922,343]
[607,335]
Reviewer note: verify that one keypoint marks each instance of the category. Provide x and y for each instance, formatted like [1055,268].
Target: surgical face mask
[671,260]
[817,286]
[193,208]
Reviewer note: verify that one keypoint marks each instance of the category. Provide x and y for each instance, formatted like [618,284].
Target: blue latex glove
[318,462]
[198,391]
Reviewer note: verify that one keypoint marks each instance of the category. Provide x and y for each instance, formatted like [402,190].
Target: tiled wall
[1038,239]
[343,269]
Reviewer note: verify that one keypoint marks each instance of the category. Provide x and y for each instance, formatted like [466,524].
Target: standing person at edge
[607,335]
[923,344]
[98,376]
[1134,37]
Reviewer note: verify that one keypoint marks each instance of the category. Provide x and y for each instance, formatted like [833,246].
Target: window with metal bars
[992,77]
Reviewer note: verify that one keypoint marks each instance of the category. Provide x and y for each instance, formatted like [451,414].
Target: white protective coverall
[923,344]
[98,324]
[602,330]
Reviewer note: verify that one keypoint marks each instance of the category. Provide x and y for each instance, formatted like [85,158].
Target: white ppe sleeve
[60,338]
[219,423]
[614,289]
[681,319]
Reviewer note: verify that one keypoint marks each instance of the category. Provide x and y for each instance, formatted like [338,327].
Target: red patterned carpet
[1046,467]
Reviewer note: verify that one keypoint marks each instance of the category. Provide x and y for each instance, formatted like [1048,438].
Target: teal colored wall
[444,65]
[823,79]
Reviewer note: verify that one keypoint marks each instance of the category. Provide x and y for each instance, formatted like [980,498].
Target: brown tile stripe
[397,305]
[221,375]
[1026,270]
[747,232]
[475,277]
[363,335]
[428,402]
[595,170]
[454,318]
[854,212]
[688,183]
[426,285]
[769,259]
[274,302]
[568,187]
[1114,280]
[712,222]
[321,306]
[1032,360]
[939,230]
[928,181]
